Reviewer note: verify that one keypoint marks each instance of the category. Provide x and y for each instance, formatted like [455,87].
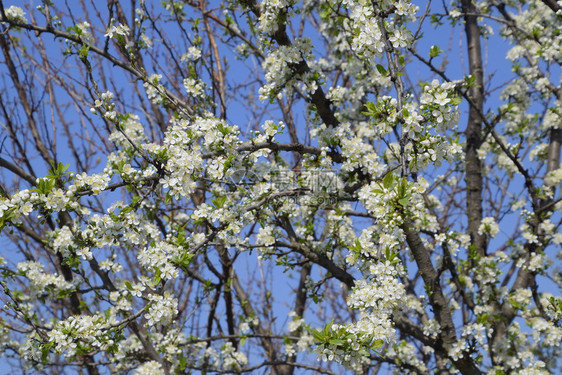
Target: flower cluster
[270,16]
[380,294]
[202,192]
[391,200]
[154,89]
[425,124]
[489,227]
[280,69]
[42,282]
[227,358]
[129,134]
[162,309]
[85,32]
[118,29]
[304,344]
[79,334]
[194,87]
[533,35]
[15,13]
[183,162]
[96,182]
[19,204]
[193,54]
[149,368]
[438,104]
[376,298]
[158,257]
[368,39]
[405,352]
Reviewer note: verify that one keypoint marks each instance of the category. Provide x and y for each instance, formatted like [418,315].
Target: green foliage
[58,172]
[435,51]
[382,70]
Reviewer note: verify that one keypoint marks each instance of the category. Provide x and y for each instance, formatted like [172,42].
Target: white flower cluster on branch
[365,191]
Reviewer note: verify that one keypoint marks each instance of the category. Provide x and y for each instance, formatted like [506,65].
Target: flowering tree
[280,187]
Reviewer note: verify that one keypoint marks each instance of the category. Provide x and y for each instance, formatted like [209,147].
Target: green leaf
[377,344]
[219,202]
[128,285]
[371,109]
[435,51]
[62,294]
[336,342]
[45,349]
[185,260]
[83,53]
[455,101]
[388,181]
[356,247]
[318,336]
[483,318]
[403,202]
[156,280]
[328,328]
[382,70]
[228,162]
[389,255]
[435,21]
[402,187]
